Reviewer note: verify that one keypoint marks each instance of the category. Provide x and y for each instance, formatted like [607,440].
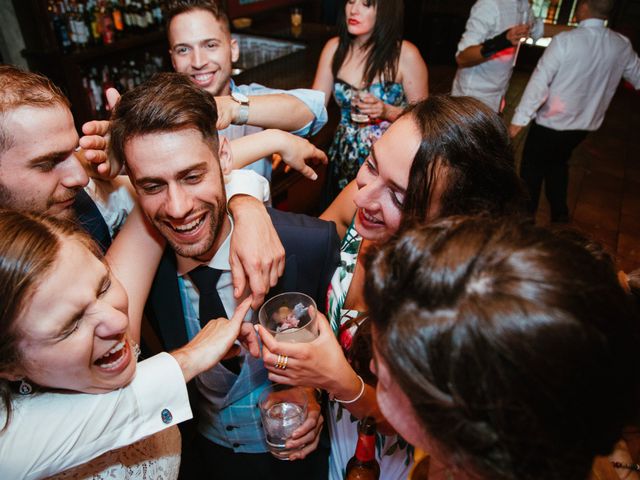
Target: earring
[25,388]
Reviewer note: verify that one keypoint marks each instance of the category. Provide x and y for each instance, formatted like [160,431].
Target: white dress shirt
[51,432]
[489,80]
[575,79]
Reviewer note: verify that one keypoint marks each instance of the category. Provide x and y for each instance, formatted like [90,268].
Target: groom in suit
[164,132]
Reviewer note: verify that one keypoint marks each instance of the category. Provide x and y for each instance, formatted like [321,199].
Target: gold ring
[278,362]
[284,363]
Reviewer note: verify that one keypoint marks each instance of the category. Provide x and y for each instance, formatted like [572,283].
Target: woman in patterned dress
[367,66]
[444,156]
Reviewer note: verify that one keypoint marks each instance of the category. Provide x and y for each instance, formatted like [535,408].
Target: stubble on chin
[215,214]
[10,201]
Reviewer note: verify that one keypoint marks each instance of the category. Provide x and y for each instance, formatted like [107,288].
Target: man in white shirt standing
[567,97]
[487,48]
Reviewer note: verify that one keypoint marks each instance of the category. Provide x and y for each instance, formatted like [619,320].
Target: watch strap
[243,114]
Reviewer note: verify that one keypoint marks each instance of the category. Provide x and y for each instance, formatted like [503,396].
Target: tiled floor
[604,190]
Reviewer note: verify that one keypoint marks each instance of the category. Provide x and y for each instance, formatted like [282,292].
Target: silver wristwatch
[243,111]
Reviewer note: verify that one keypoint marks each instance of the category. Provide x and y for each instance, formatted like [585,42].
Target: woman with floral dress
[370,68]
[444,156]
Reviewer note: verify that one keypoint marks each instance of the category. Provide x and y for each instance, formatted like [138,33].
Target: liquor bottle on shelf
[141,17]
[88,91]
[94,84]
[363,465]
[59,26]
[118,20]
[148,15]
[95,20]
[107,83]
[108,31]
[158,16]
[125,6]
[82,29]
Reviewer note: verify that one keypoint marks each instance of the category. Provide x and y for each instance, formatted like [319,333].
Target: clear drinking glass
[283,409]
[290,317]
[356,115]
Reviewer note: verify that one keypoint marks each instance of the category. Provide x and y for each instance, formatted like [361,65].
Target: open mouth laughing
[188,229]
[116,358]
[203,79]
[369,220]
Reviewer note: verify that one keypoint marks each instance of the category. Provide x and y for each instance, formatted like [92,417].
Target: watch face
[240,97]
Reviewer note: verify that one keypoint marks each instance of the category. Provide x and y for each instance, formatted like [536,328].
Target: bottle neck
[366,447]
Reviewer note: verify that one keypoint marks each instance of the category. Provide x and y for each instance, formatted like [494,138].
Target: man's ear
[235,50]
[224,155]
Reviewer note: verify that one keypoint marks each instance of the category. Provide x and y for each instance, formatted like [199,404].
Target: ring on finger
[282,361]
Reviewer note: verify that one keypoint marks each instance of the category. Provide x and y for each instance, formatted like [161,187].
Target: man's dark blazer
[311,256]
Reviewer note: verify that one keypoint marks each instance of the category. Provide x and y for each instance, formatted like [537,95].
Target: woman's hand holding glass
[371,106]
[319,364]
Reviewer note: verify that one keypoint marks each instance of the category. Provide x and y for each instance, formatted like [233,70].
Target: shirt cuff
[314,100]
[161,372]
[247,182]
[520,119]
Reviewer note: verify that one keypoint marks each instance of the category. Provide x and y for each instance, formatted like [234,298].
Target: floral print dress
[352,141]
[394,455]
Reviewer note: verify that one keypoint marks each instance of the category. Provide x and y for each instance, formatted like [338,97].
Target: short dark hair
[166,102]
[601,8]
[176,7]
[471,142]
[517,348]
[19,88]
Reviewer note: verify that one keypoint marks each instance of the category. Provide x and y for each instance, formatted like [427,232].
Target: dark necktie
[91,220]
[210,306]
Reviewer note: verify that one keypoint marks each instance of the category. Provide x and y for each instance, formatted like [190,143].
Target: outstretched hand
[95,142]
[213,342]
[297,152]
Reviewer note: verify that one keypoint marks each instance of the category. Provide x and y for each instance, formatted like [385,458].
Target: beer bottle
[363,465]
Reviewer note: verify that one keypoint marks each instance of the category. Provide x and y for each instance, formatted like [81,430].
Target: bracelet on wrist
[627,466]
[357,396]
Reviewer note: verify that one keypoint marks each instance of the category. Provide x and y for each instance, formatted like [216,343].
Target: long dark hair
[29,247]
[471,144]
[384,45]
[517,348]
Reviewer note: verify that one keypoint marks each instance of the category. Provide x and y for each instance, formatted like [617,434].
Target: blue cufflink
[166,416]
